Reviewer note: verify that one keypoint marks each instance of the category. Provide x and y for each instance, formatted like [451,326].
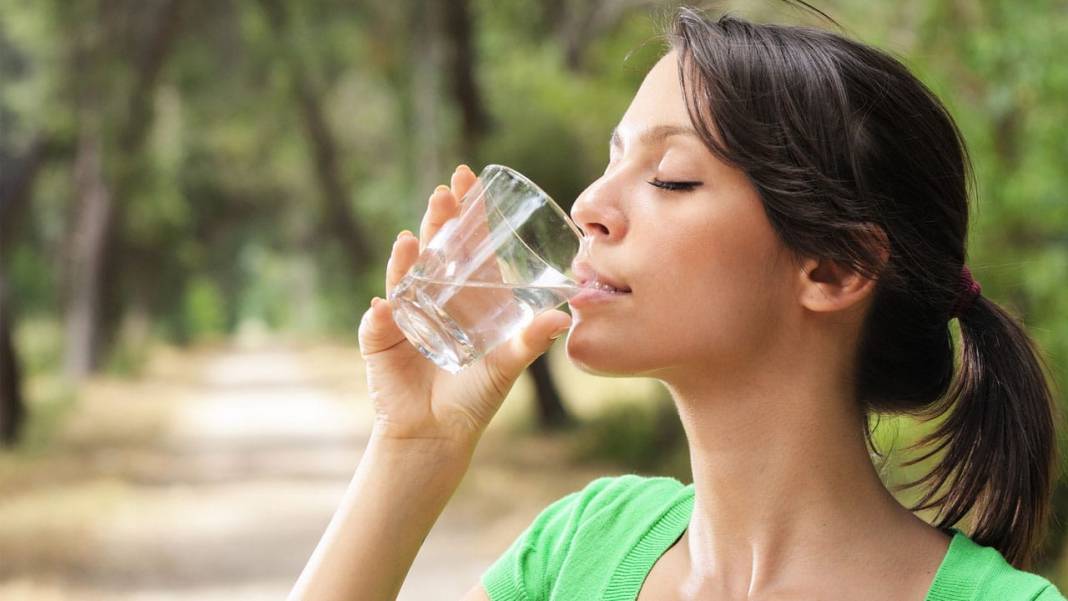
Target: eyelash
[674,186]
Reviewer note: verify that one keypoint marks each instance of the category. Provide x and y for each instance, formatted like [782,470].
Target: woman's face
[710,283]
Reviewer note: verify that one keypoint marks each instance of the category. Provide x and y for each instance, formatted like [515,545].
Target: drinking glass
[488,271]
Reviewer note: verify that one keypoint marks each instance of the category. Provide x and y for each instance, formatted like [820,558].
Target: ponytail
[999,438]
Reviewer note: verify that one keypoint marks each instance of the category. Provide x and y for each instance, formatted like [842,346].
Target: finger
[441,207]
[462,180]
[401,258]
[507,361]
[378,332]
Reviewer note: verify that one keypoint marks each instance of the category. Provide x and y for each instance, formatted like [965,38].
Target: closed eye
[677,186]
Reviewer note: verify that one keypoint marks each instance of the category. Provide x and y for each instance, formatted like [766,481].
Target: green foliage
[40,344]
[638,436]
[48,396]
[204,312]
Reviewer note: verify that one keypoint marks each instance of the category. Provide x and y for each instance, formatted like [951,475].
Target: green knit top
[599,543]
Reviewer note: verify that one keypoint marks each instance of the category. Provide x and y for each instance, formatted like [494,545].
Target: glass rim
[552,203]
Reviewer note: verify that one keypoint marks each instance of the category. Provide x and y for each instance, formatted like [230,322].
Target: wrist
[462,442]
[459,448]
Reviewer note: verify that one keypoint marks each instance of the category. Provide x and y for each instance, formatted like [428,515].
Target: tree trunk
[91,221]
[16,193]
[474,118]
[426,67]
[94,252]
[338,219]
[16,190]
[12,406]
[337,214]
[552,414]
[155,46]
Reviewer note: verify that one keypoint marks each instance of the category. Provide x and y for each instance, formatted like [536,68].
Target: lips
[588,277]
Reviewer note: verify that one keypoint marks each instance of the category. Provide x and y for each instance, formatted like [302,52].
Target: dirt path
[227,500]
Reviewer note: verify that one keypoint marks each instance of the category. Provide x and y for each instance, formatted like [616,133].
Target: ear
[829,286]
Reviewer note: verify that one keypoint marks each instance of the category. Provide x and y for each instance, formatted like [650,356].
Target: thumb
[378,331]
[511,358]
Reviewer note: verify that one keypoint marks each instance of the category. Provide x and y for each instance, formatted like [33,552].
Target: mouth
[588,277]
[594,295]
[598,289]
[604,287]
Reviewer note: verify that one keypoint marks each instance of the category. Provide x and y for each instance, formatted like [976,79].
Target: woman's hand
[413,398]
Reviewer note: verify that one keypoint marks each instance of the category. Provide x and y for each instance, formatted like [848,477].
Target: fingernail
[441,188]
[374,302]
[403,234]
[560,332]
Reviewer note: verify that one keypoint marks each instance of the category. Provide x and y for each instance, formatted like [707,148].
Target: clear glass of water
[488,271]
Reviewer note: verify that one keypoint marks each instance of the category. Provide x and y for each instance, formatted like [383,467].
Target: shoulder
[607,503]
[983,572]
[617,499]
[586,527]
[629,491]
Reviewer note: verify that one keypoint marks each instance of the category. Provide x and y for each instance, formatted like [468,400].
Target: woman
[788,209]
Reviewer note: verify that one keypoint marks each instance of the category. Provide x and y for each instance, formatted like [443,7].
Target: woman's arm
[398,491]
[427,423]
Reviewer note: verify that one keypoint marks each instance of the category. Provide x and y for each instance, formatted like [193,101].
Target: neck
[783,481]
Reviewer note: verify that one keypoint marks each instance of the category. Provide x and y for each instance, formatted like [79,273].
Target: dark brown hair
[852,155]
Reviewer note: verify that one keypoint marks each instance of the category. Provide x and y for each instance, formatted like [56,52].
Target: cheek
[712,296]
[704,302]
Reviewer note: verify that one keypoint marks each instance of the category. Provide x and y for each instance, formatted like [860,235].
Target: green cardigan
[599,543]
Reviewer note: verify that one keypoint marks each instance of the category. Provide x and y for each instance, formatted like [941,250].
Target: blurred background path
[213,476]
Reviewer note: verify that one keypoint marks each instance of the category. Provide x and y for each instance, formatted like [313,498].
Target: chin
[601,359]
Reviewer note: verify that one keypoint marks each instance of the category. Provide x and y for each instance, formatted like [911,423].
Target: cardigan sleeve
[526,570]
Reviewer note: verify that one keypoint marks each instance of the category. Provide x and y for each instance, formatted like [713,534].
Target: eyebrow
[655,134]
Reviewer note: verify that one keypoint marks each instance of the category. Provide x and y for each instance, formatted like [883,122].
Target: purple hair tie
[969,291]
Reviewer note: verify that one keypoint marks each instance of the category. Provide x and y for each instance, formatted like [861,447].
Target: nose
[597,212]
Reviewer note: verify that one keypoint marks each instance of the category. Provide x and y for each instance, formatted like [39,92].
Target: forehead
[658,102]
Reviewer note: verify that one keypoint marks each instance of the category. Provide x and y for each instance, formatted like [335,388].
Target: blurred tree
[580,23]
[16,189]
[20,165]
[338,220]
[462,69]
[25,149]
[12,403]
[94,239]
